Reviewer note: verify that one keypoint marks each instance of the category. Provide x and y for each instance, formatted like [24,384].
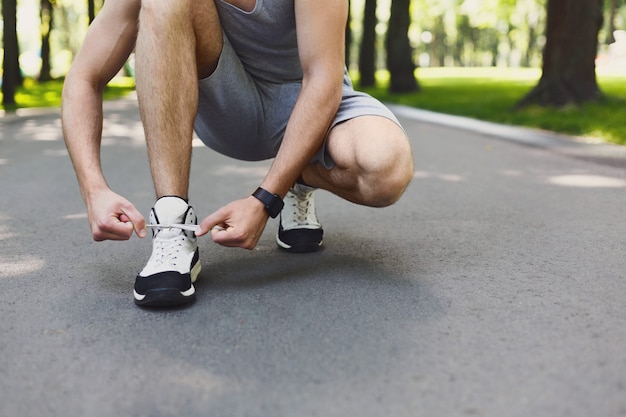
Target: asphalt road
[495,287]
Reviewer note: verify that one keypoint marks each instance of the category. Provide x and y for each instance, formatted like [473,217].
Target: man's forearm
[306,130]
[82,130]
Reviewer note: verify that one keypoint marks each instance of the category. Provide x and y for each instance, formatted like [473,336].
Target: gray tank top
[264,39]
[258,80]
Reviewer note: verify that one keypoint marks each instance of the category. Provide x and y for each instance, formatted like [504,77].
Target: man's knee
[183,23]
[374,152]
[159,12]
[389,173]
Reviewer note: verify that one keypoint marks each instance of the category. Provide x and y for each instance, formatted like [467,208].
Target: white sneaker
[168,277]
[299,230]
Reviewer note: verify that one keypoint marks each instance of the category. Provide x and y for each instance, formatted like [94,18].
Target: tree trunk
[399,52]
[569,70]
[91,10]
[438,45]
[367,50]
[532,40]
[46,28]
[463,39]
[10,66]
[610,33]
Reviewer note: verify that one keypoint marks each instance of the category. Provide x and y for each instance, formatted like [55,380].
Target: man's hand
[112,217]
[243,222]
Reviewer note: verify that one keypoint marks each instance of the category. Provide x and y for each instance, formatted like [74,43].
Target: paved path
[496,287]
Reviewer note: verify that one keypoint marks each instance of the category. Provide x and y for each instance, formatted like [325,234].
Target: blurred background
[553,64]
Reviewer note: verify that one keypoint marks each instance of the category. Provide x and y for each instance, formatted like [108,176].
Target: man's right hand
[112,217]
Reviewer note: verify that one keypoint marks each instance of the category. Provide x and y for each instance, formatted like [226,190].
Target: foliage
[492,94]
[442,32]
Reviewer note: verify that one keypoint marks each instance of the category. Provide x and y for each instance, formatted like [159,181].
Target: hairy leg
[178,42]
[373,158]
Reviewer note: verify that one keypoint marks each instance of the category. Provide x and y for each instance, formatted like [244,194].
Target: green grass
[481,93]
[48,94]
[492,93]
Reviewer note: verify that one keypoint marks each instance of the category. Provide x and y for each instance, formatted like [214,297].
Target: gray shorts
[245,118]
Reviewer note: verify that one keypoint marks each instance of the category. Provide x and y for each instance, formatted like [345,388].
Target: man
[256,79]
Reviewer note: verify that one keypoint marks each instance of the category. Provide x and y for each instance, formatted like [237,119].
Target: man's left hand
[243,222]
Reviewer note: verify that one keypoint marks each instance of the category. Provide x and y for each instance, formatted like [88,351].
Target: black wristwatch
[273,203]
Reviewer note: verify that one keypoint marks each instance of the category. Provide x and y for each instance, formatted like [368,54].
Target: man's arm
[320,28]
[106,47]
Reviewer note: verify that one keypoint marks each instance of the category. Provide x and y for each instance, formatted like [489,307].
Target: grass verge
[492,93]
[482,93]
[48,94]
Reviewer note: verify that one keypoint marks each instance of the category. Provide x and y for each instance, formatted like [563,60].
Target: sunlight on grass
[482,93]
[492,94]
[480,73]
[122,82]
[48,94]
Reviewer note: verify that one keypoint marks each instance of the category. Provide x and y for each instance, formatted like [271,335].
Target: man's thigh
[209,37]
[159,17]
[361,141]
[230,117]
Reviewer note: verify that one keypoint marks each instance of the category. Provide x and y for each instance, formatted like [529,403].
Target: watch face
[275,206]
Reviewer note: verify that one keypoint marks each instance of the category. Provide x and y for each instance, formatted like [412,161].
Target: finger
[113,231]
[220,234]
[209,222]
[137,220]
[227,237]
[234,238]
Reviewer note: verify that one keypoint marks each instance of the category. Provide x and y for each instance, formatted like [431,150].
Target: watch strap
[273,203]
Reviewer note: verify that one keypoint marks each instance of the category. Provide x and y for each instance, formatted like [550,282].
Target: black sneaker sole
[165,297]
[301,248]
[167,288]
[299,240]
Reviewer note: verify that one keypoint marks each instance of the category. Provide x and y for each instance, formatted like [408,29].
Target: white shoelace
[190,227]
[301,207]
[167,247]
[302,210]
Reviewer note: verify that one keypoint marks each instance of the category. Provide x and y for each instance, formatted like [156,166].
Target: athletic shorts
[245,118]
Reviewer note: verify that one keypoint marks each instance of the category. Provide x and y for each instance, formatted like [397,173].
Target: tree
[46,27]
[438,45]
[399,51]
[569,71]
[91,10]
[10,67]
[367,49]
[613,7]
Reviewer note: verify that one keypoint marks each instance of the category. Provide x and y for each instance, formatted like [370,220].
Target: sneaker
[168,277]
[299,230]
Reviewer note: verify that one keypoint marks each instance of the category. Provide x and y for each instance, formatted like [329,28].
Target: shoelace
[167,244]
[301,208]
[190,227]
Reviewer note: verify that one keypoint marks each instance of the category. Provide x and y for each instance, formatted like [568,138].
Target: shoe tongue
[170,210]
[301,189]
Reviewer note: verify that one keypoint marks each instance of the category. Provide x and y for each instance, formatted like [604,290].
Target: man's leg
[373,162]
[178,42]
[373,166]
